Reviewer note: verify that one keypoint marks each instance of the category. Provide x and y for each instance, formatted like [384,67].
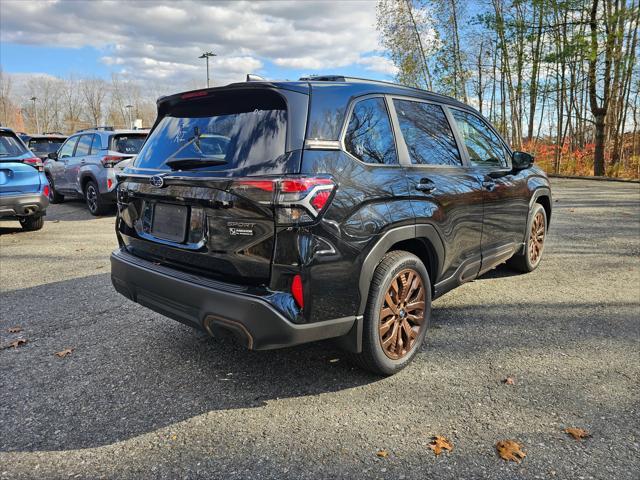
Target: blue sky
[159,41]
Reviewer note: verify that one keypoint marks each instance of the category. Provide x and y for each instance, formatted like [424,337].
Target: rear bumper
[23,205]
[214,306]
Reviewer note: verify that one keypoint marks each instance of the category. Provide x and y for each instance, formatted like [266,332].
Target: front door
[505,193]
[58,168]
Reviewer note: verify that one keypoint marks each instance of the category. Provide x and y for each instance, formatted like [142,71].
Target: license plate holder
[170,222]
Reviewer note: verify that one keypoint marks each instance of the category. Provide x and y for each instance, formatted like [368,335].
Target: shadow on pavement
[132,371]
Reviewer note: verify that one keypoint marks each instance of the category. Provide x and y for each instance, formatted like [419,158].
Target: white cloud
[376,63]
[162,40]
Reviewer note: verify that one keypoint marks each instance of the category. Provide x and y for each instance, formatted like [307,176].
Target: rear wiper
[194,162]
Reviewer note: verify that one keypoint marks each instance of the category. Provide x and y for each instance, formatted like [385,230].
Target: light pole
[206,56]
[129,107]
[35,113]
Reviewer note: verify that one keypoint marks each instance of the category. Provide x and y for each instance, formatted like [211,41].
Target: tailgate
[17,178]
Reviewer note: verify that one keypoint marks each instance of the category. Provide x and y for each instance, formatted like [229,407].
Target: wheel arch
[85,177]
[421,240]
[542,196]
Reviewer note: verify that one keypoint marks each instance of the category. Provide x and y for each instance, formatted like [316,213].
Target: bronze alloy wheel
[536,238]
[402,314]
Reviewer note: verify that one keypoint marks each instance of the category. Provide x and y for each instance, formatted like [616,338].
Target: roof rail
[324,78]
[107,128]
[52,133]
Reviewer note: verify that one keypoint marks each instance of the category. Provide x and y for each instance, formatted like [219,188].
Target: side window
[369,136]
[96,145]
[484,146]
[84,145]
[67,149]
[427,133]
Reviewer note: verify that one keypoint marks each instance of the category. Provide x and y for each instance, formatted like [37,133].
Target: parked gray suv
[83,166]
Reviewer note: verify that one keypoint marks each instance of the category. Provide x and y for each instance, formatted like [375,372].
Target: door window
[427,133]
[483,145]
[84,145]
[369,136]
[67,148]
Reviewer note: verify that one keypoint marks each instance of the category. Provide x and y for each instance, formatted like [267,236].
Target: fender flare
[82,178]
[537,193]
[382,246]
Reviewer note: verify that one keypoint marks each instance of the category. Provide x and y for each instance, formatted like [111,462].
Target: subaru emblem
[157,181]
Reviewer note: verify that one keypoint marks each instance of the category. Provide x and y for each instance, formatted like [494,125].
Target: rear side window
[10,145]
[129,143]
[483,145]
[369,136]
[427,133]
[67,148]
[84,145]
[228,130]
[45,145]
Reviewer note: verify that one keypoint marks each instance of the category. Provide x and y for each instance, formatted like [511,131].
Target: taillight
[110,160]
[45,191]
[297,200]
[35,162]
[296,290]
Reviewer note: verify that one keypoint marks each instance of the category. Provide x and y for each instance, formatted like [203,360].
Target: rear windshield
[10,146]
[130,143]
[232,130]
[45,145]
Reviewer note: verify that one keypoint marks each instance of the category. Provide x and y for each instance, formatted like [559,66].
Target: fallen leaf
[173,437]
[510,450]
[17,343]
[510,380]
[572,210]
[577,433]
[64,353]
[440,443]
[99,266]
[15,330]
[382,453]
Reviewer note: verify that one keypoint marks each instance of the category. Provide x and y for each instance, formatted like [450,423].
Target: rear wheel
[529,260]
[94,201]
[30,224]
[54,197]
[397,314]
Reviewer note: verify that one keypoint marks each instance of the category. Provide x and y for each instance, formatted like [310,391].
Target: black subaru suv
[330,207]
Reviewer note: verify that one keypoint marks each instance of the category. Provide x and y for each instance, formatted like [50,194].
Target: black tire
[93,199]
[30,224]
[54,197]
[526,261]
[373,356]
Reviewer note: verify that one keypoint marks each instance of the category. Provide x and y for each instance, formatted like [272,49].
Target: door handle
[425,185]
[488,185]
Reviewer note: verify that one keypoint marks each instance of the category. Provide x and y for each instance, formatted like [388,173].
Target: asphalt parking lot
[142,396]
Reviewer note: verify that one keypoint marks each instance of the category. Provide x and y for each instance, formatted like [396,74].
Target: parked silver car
[24,191]
[83,166]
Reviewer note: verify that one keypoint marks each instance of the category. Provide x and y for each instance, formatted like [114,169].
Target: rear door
[505,193]
[79,158]
[446,193]
[199,195]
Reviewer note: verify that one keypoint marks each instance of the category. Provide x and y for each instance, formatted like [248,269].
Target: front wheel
[92,196]
[528,260]
[397,314]
[30,224]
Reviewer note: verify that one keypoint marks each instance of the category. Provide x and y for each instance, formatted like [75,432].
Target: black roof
[330,94]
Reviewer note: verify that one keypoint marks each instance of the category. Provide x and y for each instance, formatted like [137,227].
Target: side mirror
[52,155]
[521,160]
